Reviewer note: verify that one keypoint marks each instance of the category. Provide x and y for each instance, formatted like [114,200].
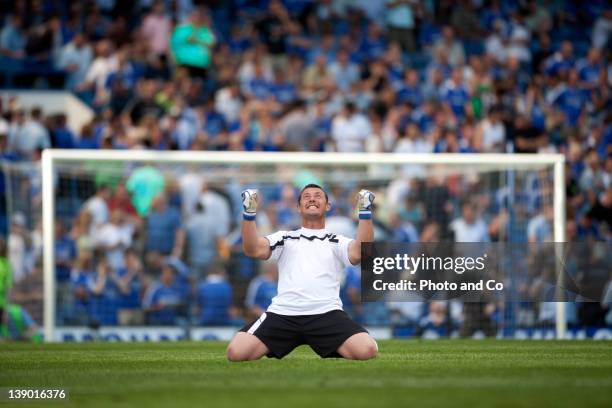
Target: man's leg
[360,346]
[244,347]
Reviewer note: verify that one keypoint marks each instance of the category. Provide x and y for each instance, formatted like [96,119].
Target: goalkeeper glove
[249,204]
[365,201]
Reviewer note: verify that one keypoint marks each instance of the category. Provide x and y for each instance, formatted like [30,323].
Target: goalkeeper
[311,263]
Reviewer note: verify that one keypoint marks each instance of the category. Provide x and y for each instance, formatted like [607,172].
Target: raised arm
[253,245]
[365,230]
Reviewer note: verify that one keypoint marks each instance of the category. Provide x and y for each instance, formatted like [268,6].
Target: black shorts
[324,333]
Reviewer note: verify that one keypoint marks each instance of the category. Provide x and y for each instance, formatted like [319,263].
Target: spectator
[410,91]
[98,208]
[103,294]
[450,47]
[162,300]
[602,30]
[114,237]
[104,64]
[75,59]
[61,136]
[539,228]
[261,290]
[344,72]
[527,138]
[350,130]
[191,44]
[589,69]
[163,228]
[120,200]
[401,16]
[214,299]
[435,323]
[155,29]
[144,104]
[12,39]
[203,236]
[218,205]
[18,247]
[33,136]
[129,280]
[469,227]
[491,132]
[412,141]
[298,128]
[65,253]
[228,102]
[572,100]
[145,183]
[317,76]
[79,278]
[455,95]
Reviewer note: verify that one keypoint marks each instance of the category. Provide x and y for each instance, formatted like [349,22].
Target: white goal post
[50,157]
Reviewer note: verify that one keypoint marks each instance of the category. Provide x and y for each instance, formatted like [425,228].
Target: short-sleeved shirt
[311,266]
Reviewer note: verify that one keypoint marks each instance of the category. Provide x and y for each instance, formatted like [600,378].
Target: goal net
[148,243]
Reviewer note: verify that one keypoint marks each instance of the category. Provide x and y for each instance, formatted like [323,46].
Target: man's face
[167,276]
[468,214]
[313,203]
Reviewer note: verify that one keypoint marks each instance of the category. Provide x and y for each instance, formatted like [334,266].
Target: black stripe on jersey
[330,237]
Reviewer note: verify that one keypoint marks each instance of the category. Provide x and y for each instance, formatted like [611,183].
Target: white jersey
[311,265]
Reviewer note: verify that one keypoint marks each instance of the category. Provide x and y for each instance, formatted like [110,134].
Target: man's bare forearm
[365,231]
[249,237]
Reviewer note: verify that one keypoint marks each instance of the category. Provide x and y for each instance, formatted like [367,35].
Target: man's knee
[234,354]
[367,350]
[244,347]
[359,347]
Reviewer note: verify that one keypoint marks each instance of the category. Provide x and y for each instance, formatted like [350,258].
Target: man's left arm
[365,230]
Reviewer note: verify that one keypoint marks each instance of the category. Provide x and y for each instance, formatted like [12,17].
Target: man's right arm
[253,245]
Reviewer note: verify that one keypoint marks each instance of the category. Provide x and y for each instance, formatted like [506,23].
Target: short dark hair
[36,112]
[312,185]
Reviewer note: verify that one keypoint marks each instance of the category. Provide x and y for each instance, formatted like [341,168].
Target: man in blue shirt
[350,292]
[589,68]
[163,225]
[65,253]
[203,233]
[214,297]
[162,299]
[455,94]
[33,135]
[62,136]
[129,283]
[258,87]
[78,311]
[282,90]
[561,61]
[74,59]
[262,289]
[12,39]
[572,100]
[103,294]
[410,90]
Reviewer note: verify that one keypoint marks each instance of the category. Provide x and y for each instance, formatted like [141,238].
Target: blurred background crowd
[295,75]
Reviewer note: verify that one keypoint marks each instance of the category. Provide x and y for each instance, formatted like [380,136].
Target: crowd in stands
[297,75]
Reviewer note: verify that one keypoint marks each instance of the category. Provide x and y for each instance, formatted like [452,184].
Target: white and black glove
[365,200]
[249,204]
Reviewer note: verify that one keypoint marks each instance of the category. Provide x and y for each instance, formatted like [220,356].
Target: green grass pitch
[407,373]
